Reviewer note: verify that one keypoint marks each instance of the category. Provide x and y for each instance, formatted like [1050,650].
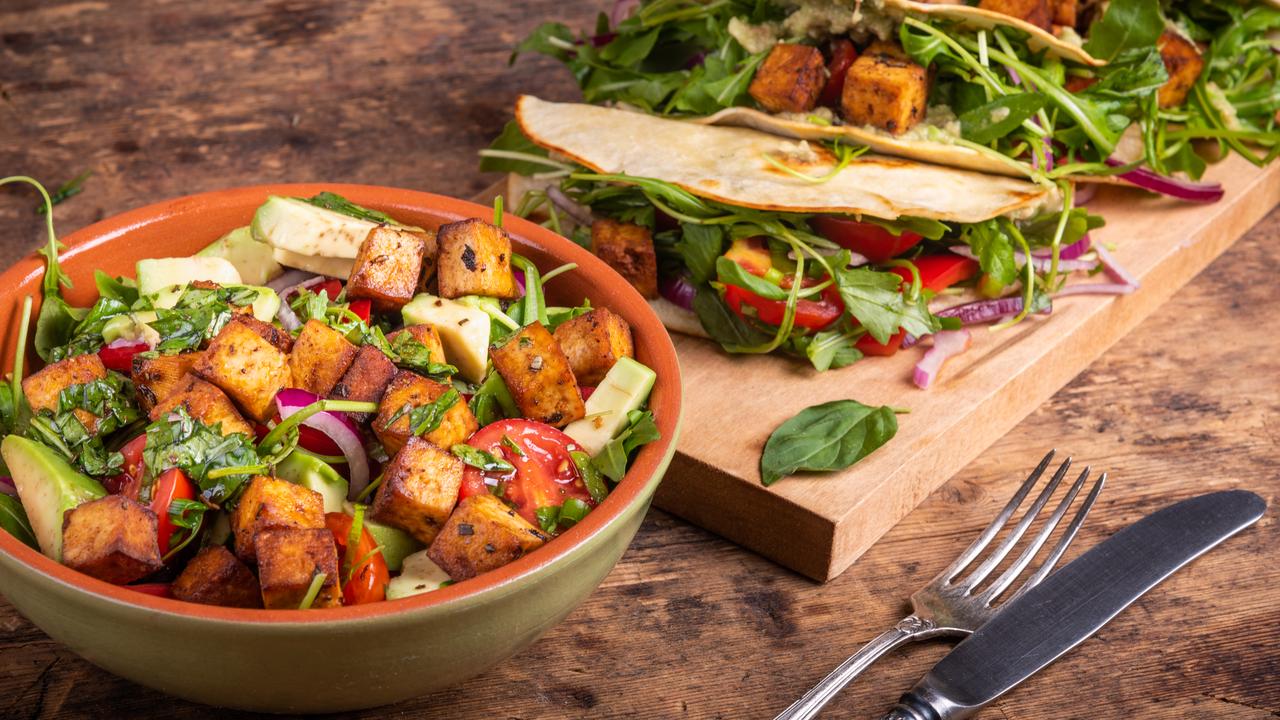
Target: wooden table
[179,97]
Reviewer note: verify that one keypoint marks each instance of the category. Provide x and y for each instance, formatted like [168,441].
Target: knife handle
[924,702]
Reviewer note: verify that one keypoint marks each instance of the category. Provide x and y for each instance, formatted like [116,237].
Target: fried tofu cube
[388,267]
[112,538]
[273,503]
[425,334]
[1037,12]
[538,375]
[885,89]
[410,390]
[281,339]
[593,343]
[216,577]
[289,559]
[366,380]
[247,366]
[483,534]
[156,378]
[419,489]
[790,79]
[204,402]
[1066,12]
[43,388]
[1183,62]
[628,249]
[320,357]
[475,259]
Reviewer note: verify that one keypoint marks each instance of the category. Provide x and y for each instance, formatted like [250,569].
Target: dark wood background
[167,98]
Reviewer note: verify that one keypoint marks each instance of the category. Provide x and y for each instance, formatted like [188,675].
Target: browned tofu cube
[430,257]
[790,79]
[425,334]
[419,489]
[282,340]
[204,402]
[483,534]
[628,249]
[1066,12]
[43,388]
[885,89]
[475,259]
[593,343]
[112,538]
[366,380]
[387,268]
[289,559]
[1037,12]
[410,390]
[320,357]
[273,503]
[538,375]
[1183,62]
[247,366]
[215,577]
[156,378]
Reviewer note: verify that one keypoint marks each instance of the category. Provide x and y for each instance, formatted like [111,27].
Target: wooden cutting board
[820,524]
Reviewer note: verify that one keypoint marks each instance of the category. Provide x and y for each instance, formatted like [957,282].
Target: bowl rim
[646,469]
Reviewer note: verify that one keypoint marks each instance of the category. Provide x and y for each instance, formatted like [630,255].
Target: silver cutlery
[950,605]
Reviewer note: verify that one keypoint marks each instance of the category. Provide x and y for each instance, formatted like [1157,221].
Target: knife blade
[1074,603]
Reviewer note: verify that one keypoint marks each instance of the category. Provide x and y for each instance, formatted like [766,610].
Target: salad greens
[830,436]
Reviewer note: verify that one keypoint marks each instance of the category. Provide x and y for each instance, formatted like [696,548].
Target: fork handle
[907,630]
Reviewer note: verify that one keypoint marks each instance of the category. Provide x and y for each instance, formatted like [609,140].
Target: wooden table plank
[173,97]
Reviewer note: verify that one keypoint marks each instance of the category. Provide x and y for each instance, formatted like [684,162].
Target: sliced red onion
[678,289]
[1084,193]
[622,10]
[520,282]
[985,311]
[289,320]
[337,427]
[7,487]
[946,345]
[292,277]
[908,340]
[126,343]
[1070,252]
[1114,270]
[1014,77]
[1188,190]
[1041,264]
[580,214]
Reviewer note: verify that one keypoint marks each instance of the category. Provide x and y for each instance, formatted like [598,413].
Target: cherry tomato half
[810,314]
[867,239]
[369,579]
[129,482]
[870,346]
[545,472]
[842,56]
[120,357]
[171,485]
[331,287]
[939,272]
[362,308]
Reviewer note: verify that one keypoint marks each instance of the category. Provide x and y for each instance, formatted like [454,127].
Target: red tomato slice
[369,579]
[810,314]
[545,472]
[332,288]
[170,486]
[129,482]
[120,358]
[867,239]
[362,308]
[870,346]
[472,484]
[939,272]
[842,56]
[156,589]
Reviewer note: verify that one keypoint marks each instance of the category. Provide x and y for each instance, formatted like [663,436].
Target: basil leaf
[425,419]
[731,273]
[611,461]
[999,117]
[826,437]
[183,442]
[1125,24]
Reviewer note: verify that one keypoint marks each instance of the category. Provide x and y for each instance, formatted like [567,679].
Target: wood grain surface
[166,98]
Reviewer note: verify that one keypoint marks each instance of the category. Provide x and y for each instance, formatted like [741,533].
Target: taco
[764,244]
[1043,89]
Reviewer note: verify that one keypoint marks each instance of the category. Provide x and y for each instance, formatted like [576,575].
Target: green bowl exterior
[293,667]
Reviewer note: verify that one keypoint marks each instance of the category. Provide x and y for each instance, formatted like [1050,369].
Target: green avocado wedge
[48,487]
[251,257]
[303,468]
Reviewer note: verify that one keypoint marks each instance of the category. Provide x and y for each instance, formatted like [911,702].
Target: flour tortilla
[730,165]
[975,17]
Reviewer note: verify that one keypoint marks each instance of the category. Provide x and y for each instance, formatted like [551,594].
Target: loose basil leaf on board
[826,437]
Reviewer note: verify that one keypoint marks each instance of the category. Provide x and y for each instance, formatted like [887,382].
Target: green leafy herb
[86,336]
[70,188]
[424,419]
[511,445]
[826,437]
[548,518]
[13,519]
[1126,25]
[591,476]
[832,349]
[408,352]
[188,515]
[492,401]
[339,204]
[183,442]
[612,460]
[875,299]
[721,323]
[732,273]
[481,460]
[512,152]
[999,117]
[313,590]
[109,399]
[700,246]
[124,290]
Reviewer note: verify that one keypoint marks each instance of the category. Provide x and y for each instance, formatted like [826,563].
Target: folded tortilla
[738,166]
[982,19]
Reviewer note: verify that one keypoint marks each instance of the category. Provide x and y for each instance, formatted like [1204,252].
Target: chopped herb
[482,460]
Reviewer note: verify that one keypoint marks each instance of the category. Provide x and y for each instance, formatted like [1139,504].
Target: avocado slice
[133,326]
[419,575]
[251,257]
[309,471]
[624,388]
[464,331]
[164,279]
[301,228]
[48,487]
[396,544]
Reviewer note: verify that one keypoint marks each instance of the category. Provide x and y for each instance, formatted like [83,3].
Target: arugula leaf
[612,460]
[424,419]
[481,460]
[924,227]
[1125,25]
[339,204]
[86,336]
[513,140]
[492,401]
[122,289]
[731,273]
[999,117]
[183,442]
[13,519]
[65,191]
[721,323]
[994,249]
[826,437]
[875,299]
[831,349]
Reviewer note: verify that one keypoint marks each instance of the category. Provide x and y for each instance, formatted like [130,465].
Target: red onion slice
[1041,264]
[337,427]
[580,214]
[1070,252]
[985,311]
[1188,190]
[946,345]
[7,487]
[1114,270]
[678,290]
[289,320]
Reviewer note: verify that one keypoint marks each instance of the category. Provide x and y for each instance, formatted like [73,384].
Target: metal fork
[947,607]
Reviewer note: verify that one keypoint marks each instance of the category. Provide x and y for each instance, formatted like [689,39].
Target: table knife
[1073,603]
